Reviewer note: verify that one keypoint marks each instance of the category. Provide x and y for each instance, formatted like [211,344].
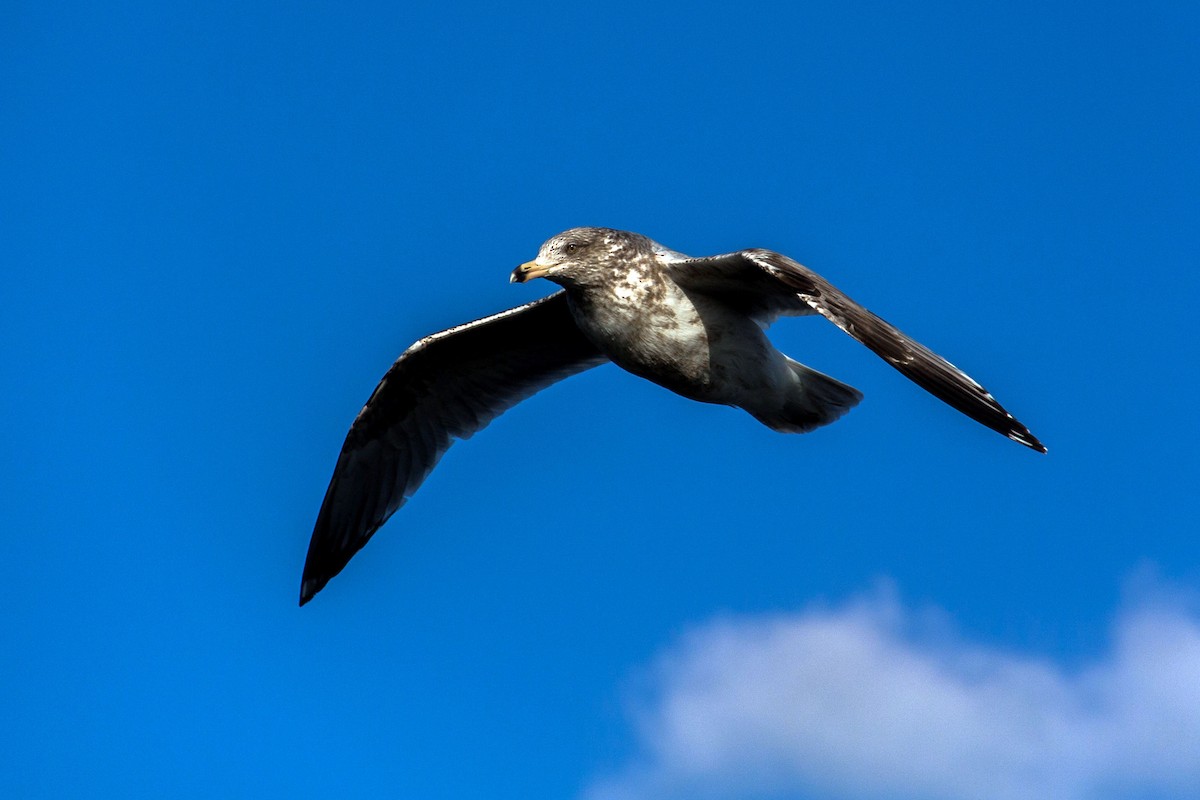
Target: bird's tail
[815,399]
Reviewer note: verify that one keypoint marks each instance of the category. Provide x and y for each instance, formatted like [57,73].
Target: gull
[691,325]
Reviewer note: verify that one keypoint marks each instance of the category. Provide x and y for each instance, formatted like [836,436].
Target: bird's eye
[571,247]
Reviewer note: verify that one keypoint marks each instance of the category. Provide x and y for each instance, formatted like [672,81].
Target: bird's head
[573,256]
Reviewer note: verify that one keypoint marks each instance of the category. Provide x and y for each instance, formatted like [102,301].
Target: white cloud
[876,700]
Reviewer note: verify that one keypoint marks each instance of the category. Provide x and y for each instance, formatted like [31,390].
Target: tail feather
[814,400]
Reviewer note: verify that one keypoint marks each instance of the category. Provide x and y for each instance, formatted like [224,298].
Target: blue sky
[220,225]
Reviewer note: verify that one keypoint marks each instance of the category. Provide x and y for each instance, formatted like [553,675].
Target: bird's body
[688,341]
[694,326]
[693,346]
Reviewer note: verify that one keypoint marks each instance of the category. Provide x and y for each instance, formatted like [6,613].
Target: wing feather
[446,386]
[767,281]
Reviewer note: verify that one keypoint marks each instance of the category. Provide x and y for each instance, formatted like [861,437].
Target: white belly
[691,345]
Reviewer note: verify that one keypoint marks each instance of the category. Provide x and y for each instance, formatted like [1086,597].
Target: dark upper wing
[448,385]
[762,282]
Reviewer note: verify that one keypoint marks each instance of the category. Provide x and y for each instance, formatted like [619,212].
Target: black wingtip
[309,588]
[1021,435]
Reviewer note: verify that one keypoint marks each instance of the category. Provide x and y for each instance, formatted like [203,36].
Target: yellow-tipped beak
[527,272]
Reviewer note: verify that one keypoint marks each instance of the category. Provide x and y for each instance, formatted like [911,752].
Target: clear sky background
[219,225]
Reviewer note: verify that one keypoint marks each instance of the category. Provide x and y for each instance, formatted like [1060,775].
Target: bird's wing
[446,386]
[741,278]
[738,283]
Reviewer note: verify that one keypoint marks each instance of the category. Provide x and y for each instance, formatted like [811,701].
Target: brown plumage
[692,325]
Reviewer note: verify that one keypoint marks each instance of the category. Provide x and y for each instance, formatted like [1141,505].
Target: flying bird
[691,325]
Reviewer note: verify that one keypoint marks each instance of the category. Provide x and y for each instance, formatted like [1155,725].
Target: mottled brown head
[580,255]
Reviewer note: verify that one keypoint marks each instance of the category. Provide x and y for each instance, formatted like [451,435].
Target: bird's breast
[656,331]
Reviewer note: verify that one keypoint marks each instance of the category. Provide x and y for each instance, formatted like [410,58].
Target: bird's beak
[527,272]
